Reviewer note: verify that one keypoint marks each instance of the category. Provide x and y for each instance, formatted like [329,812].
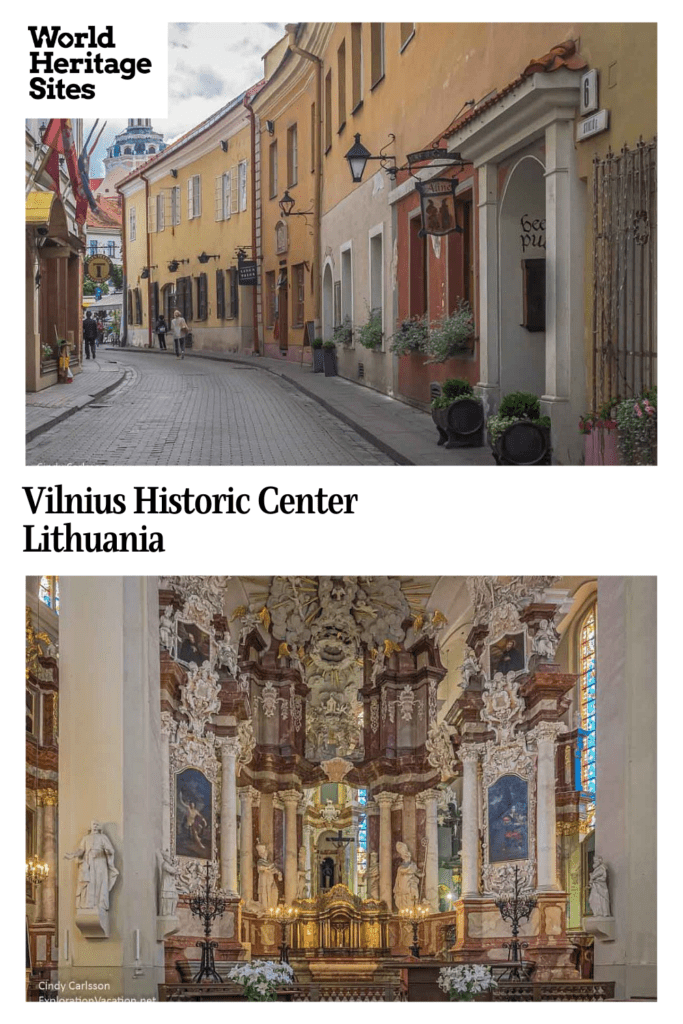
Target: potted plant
[330,358]
[411,336]
[600,431]
[370,334]
[458,415]
[465,981]
[637,429]
[261,979]
[450,335]
[518,434]
[317,349]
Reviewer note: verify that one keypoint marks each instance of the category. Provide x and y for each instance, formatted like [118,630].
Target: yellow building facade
[188,216]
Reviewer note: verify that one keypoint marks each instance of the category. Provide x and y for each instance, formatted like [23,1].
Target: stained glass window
[49,592]
[362,833]
[587,678]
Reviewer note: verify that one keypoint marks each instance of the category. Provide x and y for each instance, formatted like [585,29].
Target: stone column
[469,755]
[489,385]
[167,730]
[385,802]
[308,839]
[248,797]
[428,800]
[230,748]
[110,771]
[545,735]
[291,799]
[49,849]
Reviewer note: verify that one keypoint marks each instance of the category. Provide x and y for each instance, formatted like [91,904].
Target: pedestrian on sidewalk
[100,331]
[161,329]
[89,335]
[180,331]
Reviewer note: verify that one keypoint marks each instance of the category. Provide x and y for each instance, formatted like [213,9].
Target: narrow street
[170,412]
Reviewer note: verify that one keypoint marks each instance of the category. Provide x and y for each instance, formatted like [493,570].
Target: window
[131,224]
[48,592]
[220,294]
[270,298]
[138,305]
[362,852]
[341,84]
[184,297]
[161,211]
[346,288]
[356,66]
[314,130]
[175,205]
[242,170]
[328,111]
[292,156]
[376,275]
[233,297]
[272,169]
[298,295]
[418,269]
[222,197]
[92,247]
[407,33]
[202,303]
[194,196]
[460,264]
[154,303]
[376,53]
[588,637]
[111,248]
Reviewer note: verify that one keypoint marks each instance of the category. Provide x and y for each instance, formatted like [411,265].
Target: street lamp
[358,157]
[174,264]
[204,258]
[145,271]
[286,204]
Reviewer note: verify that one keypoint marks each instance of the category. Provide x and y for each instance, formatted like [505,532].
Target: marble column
[230,748]
[167,730]
[110,771]
[385,802]
[248,796]
[428,800]
[545,735]
[290,798]
[469,755]
[47,800]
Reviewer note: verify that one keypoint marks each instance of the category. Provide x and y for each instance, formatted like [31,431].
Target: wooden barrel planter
[523,444]
[461,424]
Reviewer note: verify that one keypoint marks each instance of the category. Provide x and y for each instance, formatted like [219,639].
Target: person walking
[100,332]
[180,330]
[89,335]
[161,329]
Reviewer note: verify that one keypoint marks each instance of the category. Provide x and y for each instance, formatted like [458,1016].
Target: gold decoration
[46,797]
[264,616]
[568,828]
[418,622]
[283,650]
[33,648]
[438,619]
[239,612]
[391,648]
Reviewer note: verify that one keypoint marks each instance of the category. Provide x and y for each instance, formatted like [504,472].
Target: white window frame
[132,224]
[242,185]
[161,211]
[378,230]
[175,205]
[293,138]
[347,247]
[194,196]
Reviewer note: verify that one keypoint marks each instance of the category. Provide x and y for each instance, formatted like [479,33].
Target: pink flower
[638,410]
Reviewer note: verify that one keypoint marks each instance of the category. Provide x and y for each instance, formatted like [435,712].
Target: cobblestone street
[192,412]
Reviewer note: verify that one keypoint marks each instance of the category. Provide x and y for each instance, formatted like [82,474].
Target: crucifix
[340,842]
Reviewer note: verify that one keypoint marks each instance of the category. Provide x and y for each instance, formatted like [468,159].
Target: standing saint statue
[407,884]
[96,870]
[268,894]
[303,886]
[372,877]
[168,892]
[598,899]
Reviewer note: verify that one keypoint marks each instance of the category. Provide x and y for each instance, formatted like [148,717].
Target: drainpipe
[257,254]
[149,263]
[317,199]
[123,330]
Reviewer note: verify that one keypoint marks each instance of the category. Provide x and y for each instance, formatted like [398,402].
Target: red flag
[59,137]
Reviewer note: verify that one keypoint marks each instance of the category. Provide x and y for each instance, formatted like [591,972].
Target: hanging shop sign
[246,272]
[437,202]
[98,268]
[592,125]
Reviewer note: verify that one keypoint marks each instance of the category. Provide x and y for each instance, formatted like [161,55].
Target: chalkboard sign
[309,332]
[246,272]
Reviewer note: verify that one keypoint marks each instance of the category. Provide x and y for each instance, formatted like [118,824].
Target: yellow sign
[98,268]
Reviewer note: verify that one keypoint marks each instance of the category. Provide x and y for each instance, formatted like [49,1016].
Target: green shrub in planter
[458,415]
[370,334]
[454,387]
[317,349]
[411,336]
[527,445]
[519,405]
[317,343]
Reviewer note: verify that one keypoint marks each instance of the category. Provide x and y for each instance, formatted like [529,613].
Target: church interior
[367,778]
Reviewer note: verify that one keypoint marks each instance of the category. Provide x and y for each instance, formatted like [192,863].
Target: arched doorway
[328,303]
[522,279]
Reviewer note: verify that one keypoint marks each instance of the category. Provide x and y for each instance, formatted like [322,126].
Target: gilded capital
[46,797]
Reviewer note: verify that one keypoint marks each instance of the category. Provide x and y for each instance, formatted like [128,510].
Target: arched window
[48,592]
[362,850]
[587,657]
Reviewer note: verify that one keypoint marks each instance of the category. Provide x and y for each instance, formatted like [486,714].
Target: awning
[39,208]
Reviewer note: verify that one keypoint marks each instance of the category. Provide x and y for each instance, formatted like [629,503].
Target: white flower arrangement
[464,981]
[261,978]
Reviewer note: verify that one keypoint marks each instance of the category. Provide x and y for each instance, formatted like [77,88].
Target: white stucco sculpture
[303,884]
[168,891]
[545,640]
[598,899]
[97,874]
[407,884]
[167,628]
[268,894]
[372,877]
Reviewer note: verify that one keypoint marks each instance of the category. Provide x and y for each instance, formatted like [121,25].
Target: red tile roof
[564,55]
[108,213]
[95,183]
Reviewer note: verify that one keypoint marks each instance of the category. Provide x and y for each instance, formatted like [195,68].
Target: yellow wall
[136,259]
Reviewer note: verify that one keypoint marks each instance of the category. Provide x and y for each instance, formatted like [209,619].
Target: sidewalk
[46,408]
[402,432]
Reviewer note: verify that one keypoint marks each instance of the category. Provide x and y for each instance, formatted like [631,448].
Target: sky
[208,65]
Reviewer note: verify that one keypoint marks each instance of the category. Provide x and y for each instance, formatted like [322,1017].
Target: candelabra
[415,914]
[514,908]
[207,906]
[284,917]
[36,871]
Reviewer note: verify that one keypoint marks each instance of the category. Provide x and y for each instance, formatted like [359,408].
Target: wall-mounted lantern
[286,204]
[145,271]
[174,264]
[358,157]
[204,257]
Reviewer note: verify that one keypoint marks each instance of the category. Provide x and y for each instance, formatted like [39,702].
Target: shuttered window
[270,298]
[376,53]
[138,306]
[154,303]
[175,205]
[298,295]
[222,196]
[161,211]
[202,297]
[220,294]
[131,224]
[292,156]
[233,302]
[243,185]
[184,296]
[194,196]
[130,305]
[272,169]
